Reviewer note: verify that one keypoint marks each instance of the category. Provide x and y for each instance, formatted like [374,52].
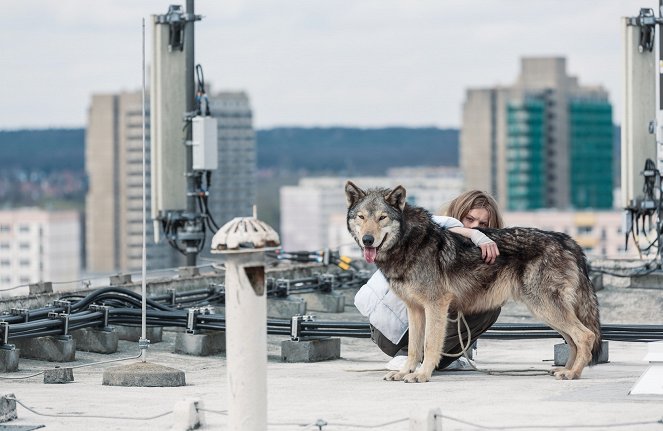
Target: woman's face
[477,217]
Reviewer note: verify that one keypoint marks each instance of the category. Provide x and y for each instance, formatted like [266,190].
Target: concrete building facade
[38,245]
[544,142]
[113,206]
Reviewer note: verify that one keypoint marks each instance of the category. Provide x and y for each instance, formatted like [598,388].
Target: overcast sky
[367,63]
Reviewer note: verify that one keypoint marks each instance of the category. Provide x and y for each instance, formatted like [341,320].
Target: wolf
[433,270]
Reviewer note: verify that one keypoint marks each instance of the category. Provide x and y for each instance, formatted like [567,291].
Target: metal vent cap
[242,233]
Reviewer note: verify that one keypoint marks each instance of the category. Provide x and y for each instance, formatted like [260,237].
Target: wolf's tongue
[370,253]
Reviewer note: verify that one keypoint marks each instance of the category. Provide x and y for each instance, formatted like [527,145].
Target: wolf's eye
[361,216]
[382,217]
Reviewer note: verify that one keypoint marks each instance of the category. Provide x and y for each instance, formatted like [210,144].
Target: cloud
[366,63]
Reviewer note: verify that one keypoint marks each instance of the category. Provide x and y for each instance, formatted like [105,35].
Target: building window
[24,246]
[584,230]
[5,228]
[5,263]
[4,246]
[24,262]
[24,228]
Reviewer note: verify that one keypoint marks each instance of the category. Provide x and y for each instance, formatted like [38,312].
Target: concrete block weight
[52,349]
[562,353]
[133,333]
[96,340]
[315,350]
[7,408]
[9,360]
[58,375]
[285,308]
[333,302]
[201,344]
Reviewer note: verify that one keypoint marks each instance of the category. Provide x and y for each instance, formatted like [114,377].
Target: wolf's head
[374,218]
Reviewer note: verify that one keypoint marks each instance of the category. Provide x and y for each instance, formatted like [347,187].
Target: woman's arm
[489,250]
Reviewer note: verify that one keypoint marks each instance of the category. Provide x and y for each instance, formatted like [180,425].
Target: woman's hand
[489,250]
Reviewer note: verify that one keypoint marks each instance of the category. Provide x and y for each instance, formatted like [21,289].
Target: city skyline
[360,64]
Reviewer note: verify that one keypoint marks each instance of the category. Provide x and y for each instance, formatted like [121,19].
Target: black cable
[200,92]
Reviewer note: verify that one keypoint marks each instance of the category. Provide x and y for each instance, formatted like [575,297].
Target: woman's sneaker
[396,363]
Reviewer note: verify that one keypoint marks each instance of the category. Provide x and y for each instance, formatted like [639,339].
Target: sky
[358,63]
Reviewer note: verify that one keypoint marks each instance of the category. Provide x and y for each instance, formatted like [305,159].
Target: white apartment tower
[38,245]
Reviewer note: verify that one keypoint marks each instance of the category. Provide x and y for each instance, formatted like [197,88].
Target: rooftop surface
[349,393]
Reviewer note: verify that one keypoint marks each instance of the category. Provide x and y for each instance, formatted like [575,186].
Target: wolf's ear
[353,193]
[396,197]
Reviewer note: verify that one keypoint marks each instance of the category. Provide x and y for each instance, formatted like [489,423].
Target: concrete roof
[349,393]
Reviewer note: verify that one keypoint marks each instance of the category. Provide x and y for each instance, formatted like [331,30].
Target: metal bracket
[296,325]
[21,312]
[173,297]
[63,303]
[176,18]
[191,320]
[282,287]
[326,283]
[647,21]
[62,316]
[192,317]
[4,336]
[105,309]
[143,343]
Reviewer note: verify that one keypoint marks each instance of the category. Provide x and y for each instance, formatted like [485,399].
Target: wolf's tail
[587,309]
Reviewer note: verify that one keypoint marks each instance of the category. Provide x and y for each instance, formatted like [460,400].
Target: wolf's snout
[368,240]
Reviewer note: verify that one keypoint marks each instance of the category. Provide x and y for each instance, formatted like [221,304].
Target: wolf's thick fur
[432,269]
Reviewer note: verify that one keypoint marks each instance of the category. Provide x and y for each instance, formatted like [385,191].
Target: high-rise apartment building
[114,165]
[233,188]
[544,142]
[114,202]
[38,245]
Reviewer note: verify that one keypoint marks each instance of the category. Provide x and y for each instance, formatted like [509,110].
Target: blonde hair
[459,207]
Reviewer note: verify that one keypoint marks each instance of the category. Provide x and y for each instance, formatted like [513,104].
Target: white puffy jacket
[383,308]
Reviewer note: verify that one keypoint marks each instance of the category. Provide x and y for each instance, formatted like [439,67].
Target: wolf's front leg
[435,333]
[415,345]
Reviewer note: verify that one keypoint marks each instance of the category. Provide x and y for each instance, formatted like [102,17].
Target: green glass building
[544,142]
[590,145]
[525,154]
[589,152]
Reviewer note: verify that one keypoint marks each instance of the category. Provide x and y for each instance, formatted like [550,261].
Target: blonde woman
[387,313]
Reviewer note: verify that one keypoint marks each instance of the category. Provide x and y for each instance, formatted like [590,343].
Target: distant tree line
[45,150]
[355,151]
[317,150]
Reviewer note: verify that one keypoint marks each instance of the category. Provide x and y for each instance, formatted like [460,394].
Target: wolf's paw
[394,376]
[416,378]
[564,374]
